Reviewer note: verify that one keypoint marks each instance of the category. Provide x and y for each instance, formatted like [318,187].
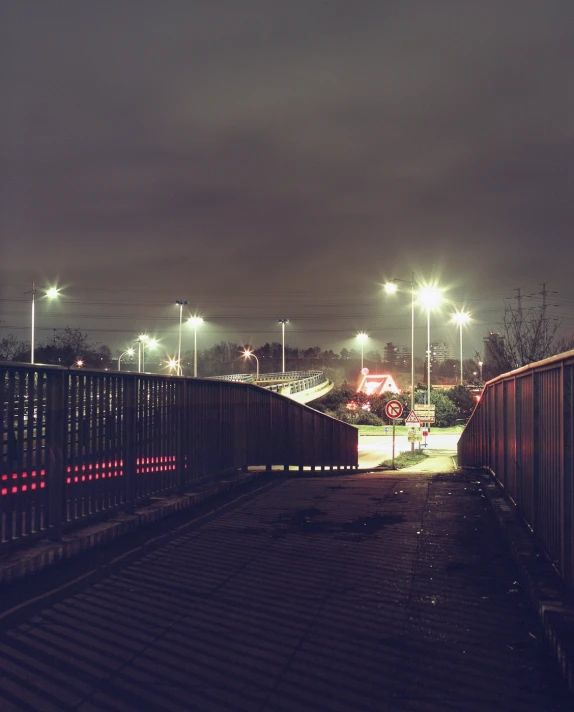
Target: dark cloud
[227,149]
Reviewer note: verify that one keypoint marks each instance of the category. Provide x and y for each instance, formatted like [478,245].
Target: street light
[195,321]
[51,293]
[362,338]
[128,352]
[391,287]
[180,303]
[142,338]
[429,297]
[480,364]
[460,318]
[248,354]
[283,321]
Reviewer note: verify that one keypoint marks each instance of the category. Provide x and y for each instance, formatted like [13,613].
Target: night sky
[268,159]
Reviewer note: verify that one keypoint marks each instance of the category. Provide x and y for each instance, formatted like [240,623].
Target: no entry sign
[394,409]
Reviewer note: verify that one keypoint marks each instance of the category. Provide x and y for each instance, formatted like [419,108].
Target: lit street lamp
[283,321]
[128,352]
[195,321]
[143,341]
[248,354]
[180,303]
[362,338]
[51,293]
[461,318]
[429,297]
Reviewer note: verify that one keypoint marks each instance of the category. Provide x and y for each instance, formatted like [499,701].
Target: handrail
[522,431]
[79,444]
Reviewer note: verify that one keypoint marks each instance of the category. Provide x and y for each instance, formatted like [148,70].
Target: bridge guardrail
[522,430]
[297,381]
[77,444]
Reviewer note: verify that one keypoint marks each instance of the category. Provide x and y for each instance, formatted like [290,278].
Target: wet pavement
[391,592]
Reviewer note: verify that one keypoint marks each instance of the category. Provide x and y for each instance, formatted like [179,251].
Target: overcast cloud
[269,158]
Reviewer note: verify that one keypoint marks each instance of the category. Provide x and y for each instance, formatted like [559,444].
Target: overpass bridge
[395,587]
[301,386]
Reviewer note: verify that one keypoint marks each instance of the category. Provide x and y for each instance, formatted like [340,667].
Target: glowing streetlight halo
[249,353]
[127,352]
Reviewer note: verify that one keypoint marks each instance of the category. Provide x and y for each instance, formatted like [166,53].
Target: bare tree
[530,335]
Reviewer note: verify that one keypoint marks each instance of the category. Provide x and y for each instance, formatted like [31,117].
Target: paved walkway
[389,592]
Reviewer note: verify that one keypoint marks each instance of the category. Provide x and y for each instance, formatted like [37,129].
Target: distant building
[493,349]
[404,356]
[441,352]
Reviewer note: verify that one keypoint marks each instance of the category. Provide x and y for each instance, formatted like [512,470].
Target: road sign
[425,413]
[394,409]
[412,418]
[414,435]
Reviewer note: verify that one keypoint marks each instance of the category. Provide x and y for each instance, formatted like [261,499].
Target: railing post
[182,434]
[56,437]
[130,387]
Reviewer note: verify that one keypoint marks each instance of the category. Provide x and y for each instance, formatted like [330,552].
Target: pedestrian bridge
[301,386]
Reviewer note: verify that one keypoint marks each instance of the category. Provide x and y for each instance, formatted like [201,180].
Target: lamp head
[195,321]
[461,317]
[391,287]
[429,297]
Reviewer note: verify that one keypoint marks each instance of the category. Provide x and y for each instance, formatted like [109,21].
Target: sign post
[413,421]
[394,410]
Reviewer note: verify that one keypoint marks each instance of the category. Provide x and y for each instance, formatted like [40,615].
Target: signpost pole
[393,460]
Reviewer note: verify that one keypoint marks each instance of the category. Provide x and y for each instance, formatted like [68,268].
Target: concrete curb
[42,554]
[546,592]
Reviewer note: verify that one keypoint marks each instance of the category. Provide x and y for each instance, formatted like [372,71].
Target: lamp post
[480,364]
[391,287]
[51,293]
[195,321]
[461,318]
[248,354]
[128,352]
[142,338]
[180,303]
[429,297]
[283,321]
[362,338]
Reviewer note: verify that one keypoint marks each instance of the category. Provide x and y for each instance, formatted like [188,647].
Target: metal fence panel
[523,431]
[77,445]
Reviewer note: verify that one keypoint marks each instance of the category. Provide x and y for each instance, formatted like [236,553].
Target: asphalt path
[374,449]
[354,593]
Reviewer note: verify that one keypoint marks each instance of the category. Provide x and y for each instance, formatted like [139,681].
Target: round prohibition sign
[394,409]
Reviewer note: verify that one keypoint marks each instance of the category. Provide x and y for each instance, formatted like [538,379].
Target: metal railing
[297,381]
[78,445]
[522,430]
